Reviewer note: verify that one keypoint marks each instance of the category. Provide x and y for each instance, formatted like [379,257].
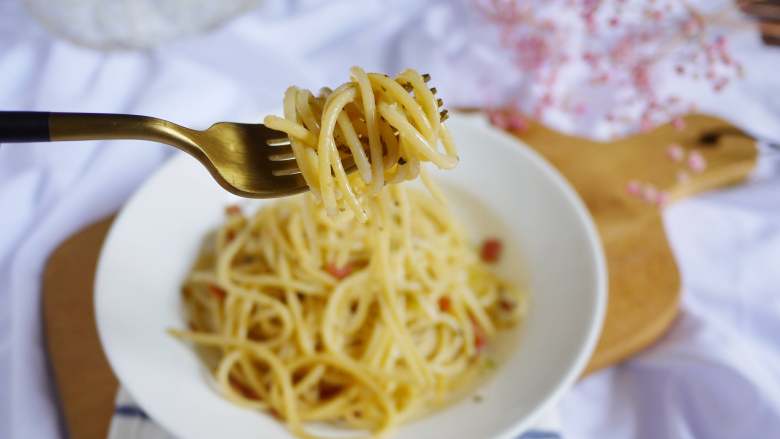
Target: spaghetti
[359,303]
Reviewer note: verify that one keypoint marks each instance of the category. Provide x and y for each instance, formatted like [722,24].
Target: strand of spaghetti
[302,333]
[391,313]
[326,145]
[356,148]
[394,92]
[280,372]
[345,187]
[424,96]
[304,156]
[223,379]
[357,372]
[303,102]
[372,126]
[395,118]
[293,129]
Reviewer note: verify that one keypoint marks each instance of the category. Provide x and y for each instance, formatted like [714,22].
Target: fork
[249,160]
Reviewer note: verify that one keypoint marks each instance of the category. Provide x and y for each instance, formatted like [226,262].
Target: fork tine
[278,141]
[281,156]
[286,167]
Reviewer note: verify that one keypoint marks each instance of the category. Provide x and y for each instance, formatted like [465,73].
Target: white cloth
[716,374]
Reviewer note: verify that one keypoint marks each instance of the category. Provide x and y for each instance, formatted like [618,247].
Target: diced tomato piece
[217,292]
[445,303]
[491,250]
[339,272]
[233,209]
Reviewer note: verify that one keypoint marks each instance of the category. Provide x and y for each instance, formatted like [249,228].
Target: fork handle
[24,126]
[32,126]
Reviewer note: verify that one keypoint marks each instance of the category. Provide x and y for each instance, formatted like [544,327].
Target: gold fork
[249,160]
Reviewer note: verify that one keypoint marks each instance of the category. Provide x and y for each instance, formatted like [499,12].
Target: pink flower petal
[675,152]
[633,188]
[498,119]
[662,199]
[697,162]
[650,193]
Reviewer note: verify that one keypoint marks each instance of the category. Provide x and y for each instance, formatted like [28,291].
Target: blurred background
[598,69]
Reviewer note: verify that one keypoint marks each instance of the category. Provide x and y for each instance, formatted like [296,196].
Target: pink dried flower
[650,193]
[697,162]
[662,199]
[678,122]
[626,43]
[675,152]
[498,119]
[633,187]
[516,122]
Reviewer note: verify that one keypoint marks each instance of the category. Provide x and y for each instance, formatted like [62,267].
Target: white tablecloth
[716,373]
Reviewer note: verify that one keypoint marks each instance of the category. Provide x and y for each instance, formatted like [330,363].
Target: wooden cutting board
[644,284]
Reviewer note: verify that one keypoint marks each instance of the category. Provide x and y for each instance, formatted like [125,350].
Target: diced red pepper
[491,250]
[445,303]
[233,209]
[339,272]
[217,292]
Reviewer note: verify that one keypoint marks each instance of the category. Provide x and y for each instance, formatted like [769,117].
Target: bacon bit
[275,413]
[507,304]
[233,209]
[328,391]
[243,390]
[491,250]
[217,292]
[445,303]
[230,235]
[339,272]
[480,338]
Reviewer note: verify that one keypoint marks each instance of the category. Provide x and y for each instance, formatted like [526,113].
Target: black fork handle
[24,126]
[34,126]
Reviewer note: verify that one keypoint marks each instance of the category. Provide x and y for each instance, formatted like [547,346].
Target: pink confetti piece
[675,152]
[633,188]
[683,177]
[697,162]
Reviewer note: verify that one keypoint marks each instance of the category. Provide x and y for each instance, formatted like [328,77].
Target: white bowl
[500,188]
